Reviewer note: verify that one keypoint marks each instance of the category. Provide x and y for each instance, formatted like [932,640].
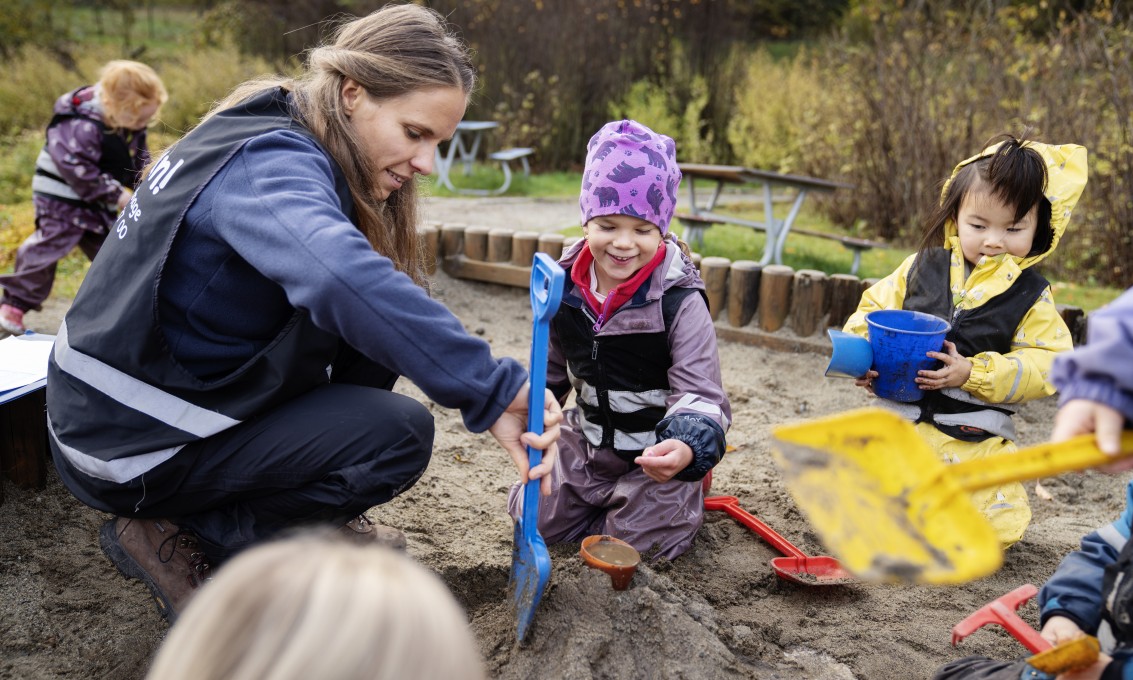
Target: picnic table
[465,147]
[703,213]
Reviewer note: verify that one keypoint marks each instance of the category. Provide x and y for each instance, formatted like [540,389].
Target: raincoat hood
[1066,179]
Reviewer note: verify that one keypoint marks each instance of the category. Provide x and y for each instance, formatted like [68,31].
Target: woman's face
[400,135]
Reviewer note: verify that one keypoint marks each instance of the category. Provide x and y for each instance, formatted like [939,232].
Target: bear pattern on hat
[630,170]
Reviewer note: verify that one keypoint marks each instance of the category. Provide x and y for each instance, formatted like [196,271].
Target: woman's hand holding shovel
[509,431]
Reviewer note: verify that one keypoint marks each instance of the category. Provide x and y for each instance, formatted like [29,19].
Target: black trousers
[321,458]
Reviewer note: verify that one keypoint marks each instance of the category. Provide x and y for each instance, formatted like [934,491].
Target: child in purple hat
[633,337]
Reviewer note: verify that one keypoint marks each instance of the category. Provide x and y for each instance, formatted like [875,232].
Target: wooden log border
[774,306]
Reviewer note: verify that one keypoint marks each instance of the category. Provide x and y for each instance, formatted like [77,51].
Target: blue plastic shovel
[530,561]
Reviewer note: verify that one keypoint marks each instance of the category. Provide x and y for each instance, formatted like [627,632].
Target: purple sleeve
[75,144]
[1102,369]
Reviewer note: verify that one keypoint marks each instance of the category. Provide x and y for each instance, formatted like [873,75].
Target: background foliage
[885,94]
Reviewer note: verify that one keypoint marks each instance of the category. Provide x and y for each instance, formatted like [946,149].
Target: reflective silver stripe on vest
[624,401]
[133,393]
[49,185]
[960,395]
[995,422]
[118,471]
[690,402]
[623,441]
[1112,535]
[585,393]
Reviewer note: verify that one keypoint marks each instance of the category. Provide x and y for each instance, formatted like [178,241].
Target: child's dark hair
[1015,174]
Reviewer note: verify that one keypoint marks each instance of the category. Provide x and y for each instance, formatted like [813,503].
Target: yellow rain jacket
[999,379]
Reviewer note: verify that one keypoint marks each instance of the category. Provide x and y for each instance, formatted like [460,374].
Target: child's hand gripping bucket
[899,340]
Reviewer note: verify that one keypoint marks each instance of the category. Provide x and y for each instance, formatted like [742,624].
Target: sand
[719,611]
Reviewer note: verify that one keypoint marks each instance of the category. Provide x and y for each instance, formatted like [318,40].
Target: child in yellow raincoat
[1002,212]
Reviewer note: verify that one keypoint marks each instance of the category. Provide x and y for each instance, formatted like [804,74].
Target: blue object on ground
[530,560]
[852,357]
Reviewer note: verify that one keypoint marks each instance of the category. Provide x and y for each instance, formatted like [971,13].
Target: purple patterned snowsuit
[80,174]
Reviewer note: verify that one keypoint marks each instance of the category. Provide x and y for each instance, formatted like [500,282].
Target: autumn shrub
[905,94]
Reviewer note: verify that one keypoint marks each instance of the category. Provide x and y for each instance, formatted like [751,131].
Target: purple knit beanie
[630,170]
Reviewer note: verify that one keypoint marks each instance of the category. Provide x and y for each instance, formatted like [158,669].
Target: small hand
[509,432]
[124,199]
[954,373]
[1059,629]
[664,459]
[866,381]
[1081,416]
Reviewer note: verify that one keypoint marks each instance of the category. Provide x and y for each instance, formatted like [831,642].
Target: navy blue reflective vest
[118,403]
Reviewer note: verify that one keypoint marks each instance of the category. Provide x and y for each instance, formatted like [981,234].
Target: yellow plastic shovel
[887,507]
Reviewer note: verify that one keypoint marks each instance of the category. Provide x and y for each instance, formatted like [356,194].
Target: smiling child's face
[620,244]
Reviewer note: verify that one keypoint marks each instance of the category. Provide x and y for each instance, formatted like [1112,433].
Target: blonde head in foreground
[315,607]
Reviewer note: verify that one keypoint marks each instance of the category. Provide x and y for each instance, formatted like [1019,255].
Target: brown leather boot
[362,530]
[164,557]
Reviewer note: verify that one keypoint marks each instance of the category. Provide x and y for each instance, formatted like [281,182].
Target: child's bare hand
[1059,629]
[124,199]
[1082,416]
[664,459]
[866,381]
[954,373]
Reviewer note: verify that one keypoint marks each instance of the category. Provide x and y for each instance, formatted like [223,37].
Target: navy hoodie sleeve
[279,212]
[1074,590]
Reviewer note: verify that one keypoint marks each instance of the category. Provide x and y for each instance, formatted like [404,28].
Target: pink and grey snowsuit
[651,372]
[81,172]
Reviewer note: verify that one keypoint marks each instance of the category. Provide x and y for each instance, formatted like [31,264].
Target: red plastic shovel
[1066,656]
[797,566]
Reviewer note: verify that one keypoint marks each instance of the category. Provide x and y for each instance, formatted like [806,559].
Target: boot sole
[128,567]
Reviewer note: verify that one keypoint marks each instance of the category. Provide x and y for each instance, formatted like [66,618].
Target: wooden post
[552,244]
[524,245]
[808,306]
[429,238]
[714,271]
[775,296]
[696,258]
[499,245]
[743,291]
[845,294]
[1075,320]
[476,243]
[23,440]
[452,239]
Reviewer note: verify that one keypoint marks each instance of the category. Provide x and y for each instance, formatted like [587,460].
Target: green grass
[491,176]
[161,34]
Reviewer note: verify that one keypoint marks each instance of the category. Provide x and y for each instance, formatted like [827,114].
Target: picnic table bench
[702,215]
[465,146]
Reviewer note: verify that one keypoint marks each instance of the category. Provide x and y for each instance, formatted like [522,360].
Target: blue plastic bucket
[899,340]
